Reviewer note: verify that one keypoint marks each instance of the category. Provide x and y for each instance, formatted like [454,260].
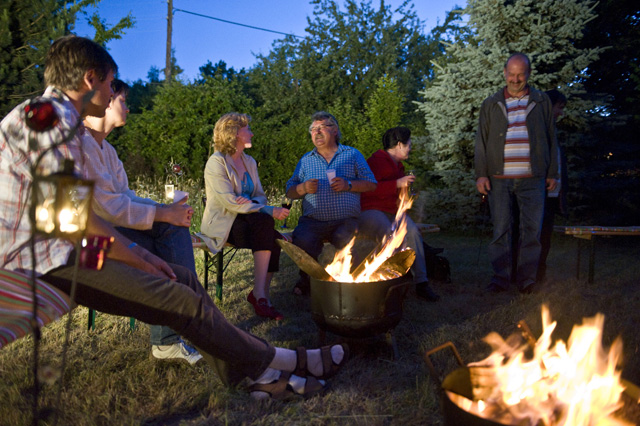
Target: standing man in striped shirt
[514,166]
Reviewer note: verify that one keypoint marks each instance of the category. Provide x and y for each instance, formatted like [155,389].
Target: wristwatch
[350,186]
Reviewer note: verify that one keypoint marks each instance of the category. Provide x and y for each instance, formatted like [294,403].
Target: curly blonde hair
[225,133]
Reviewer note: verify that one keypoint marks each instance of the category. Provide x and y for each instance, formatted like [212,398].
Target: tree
[343,56]
[383,110]
[179,126]
[27,29]
[474,70]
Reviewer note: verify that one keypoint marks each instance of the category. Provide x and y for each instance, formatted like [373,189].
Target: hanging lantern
[62,203]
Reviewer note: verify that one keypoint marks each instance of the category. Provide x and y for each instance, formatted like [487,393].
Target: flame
[340,267]
[563,384]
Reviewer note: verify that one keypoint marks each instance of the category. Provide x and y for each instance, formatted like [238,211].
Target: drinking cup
[179,195]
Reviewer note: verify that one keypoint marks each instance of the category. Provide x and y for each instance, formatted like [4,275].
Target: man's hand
[339,184]
[404,182]
[242,200]
[178,213]
[151,263]
[280,213]
[483,185]
[551,184]
[310,186]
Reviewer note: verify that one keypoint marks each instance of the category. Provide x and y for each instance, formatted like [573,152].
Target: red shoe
[262,308]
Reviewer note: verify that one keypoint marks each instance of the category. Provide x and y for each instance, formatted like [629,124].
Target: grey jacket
[492,131]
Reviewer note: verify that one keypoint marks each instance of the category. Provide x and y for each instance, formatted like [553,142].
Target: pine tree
[27,29]
[544,30]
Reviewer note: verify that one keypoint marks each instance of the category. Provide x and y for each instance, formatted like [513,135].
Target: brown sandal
[281,390]
[329,368]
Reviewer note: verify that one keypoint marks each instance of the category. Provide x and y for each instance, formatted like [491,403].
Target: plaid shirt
[16,181]
[326,204]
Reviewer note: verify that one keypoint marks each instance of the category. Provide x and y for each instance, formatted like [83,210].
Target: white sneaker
[178,350]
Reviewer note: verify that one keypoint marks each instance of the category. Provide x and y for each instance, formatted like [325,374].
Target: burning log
[305,262]
[561,384]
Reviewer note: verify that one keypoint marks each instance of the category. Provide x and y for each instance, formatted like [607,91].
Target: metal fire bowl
[358,309]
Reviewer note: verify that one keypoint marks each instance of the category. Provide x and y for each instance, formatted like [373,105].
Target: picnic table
[590,233]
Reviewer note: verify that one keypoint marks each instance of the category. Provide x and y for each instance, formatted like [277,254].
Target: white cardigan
[223,184]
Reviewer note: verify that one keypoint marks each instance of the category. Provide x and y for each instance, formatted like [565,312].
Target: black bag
[438,268]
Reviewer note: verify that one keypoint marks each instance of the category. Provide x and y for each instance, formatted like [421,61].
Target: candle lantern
[62,203]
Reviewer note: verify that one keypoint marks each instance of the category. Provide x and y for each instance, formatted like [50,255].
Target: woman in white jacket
[237,209]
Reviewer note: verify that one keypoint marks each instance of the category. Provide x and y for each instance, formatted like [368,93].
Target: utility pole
[167,69]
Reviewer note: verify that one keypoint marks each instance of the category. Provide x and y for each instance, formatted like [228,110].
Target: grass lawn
[111,378]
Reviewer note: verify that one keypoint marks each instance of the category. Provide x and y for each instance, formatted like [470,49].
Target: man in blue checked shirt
[330,208]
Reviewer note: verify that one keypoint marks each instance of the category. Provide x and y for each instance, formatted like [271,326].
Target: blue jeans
[375,224]
[529,194]
[173,245]
[183,305]
[310,235]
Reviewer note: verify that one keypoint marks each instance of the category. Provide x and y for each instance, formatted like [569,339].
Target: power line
[234,23]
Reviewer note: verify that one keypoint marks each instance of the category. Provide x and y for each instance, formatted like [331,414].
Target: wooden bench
[16,305]
[590,233]
[218,262]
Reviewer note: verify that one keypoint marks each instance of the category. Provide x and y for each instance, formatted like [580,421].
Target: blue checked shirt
[326,204]
[16,182]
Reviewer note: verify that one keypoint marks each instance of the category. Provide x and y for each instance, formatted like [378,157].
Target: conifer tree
[546,31]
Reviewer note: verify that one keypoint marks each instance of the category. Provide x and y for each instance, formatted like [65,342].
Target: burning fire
[340,267]
[574,384]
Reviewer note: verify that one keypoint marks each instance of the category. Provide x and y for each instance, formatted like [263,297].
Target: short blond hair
[225,133]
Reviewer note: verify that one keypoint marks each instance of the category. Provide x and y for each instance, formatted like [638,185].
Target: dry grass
[111,379]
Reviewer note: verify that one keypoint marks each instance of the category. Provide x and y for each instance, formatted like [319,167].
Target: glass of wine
[286,203]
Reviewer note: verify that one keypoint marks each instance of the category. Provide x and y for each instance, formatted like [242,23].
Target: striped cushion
[16,305]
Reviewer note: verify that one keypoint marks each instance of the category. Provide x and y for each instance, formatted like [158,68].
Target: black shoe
[423,291]
[303,286]
[495,288]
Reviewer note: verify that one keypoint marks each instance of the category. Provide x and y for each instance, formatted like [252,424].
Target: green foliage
[27,29]
[383,110]
[104,33]
[474,70]
[179,126]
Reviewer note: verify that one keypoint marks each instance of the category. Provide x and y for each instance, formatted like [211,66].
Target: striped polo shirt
[517,160]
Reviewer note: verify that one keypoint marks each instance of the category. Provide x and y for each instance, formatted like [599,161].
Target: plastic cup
[331,173]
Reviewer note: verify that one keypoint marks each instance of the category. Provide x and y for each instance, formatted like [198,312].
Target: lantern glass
[169,192]
[62,205]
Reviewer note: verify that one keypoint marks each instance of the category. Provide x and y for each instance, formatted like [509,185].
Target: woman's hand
[404,182]
[242,200]
[280,213]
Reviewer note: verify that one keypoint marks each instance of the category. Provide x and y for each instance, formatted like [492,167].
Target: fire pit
[565,384]
[358,310]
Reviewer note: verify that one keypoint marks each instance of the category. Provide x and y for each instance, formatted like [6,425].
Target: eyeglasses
[320,127]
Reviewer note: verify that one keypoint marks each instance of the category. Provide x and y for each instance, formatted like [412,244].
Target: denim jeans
[529,194]
[310,235]
[375,224]
[173,245]
[183,305]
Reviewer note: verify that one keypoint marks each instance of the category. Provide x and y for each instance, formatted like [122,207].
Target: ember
[563,384]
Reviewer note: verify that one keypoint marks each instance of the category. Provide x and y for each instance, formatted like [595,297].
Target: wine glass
[286,203]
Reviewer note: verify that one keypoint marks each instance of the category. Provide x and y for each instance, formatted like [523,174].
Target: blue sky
[197,40]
